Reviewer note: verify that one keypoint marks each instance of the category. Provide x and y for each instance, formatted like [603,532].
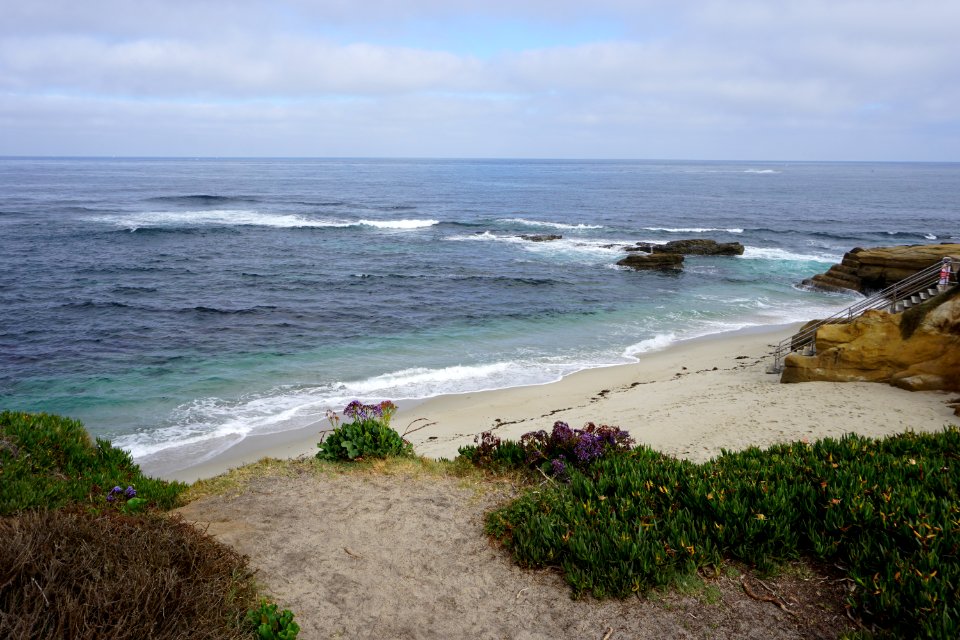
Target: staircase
[897,298]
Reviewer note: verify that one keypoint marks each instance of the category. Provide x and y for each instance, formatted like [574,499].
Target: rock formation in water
[700,247]
[540,237]
[668,261]
[870,270]
[916,350]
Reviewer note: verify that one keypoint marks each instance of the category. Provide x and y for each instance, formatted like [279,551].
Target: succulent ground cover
[888,511]
[88,553]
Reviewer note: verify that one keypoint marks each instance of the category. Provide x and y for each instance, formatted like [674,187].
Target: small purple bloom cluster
[564,446]
[558,466]
[117,491]
[360,412]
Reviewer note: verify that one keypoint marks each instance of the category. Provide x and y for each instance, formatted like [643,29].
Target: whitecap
[693,229]
[762,171]
[219,217]
[772,253]
[552,225]
[399,224]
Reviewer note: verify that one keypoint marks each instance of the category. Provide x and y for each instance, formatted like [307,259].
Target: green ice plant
[271,624]
[368,435]
[49,461]
[887,510]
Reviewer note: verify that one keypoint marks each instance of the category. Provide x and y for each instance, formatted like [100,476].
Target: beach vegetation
[554,454]
[73,573]
[272,624]
[367,435]
[86,550]
[48,461]
[887,511]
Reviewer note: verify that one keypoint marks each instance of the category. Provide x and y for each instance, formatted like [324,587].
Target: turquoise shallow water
[172,303]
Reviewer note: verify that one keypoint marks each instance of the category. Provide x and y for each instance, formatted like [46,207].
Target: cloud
[341,76]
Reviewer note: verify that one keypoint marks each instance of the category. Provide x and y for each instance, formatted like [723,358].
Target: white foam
[207,420]
[399,224]
[693,229]
[929,236]
[656,343]
[246,217]
[772,253]
[221,217]
[422,382]
[762,171]
[552,225]
[486,236]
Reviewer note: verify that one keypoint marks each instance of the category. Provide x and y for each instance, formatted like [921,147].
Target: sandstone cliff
[869,270]
[916,350]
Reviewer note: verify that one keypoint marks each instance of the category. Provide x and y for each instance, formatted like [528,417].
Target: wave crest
[551,225]
[693,229]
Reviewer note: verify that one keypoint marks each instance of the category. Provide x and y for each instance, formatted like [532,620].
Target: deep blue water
[177,305]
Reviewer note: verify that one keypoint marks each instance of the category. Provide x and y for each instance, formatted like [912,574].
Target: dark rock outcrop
[668,261]
[544,237]
[870,270]
[700,247]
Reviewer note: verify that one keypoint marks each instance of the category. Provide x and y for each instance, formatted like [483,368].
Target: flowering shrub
[553,453]
[368,434]
[126,499]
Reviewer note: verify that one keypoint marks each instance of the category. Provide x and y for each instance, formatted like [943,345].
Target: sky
[646,79]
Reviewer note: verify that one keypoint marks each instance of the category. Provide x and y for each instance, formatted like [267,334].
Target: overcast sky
[710,79]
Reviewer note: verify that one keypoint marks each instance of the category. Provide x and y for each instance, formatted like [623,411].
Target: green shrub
[369,435]
[887,509]
[48,461]
[268,624]
[491,452]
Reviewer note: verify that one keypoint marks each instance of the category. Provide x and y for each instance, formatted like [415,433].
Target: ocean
[177,306]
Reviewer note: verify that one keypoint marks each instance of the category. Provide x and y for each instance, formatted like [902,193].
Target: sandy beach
[692,400]
[323,542]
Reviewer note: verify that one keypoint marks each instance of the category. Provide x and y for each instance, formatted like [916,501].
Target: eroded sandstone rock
[873,348]
[869,270]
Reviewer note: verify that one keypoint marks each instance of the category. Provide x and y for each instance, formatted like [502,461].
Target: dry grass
[73,574]
[233,482]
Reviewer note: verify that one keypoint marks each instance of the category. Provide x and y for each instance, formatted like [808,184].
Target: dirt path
[367,555]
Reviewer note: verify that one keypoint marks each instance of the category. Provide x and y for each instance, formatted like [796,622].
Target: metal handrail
[887,298]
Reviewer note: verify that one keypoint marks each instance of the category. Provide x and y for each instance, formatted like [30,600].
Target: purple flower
[110,497]
[589,447]
[356,410]
[562,434]
[130,492]
[559,466]
[116,490]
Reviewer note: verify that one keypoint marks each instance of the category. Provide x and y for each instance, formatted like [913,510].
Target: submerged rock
[870,270]
[700,247]
[652,261]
